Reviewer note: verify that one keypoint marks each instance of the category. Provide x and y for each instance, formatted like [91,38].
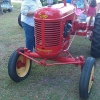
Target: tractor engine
[52,29]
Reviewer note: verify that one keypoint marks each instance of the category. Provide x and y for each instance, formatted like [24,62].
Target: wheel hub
[20,64]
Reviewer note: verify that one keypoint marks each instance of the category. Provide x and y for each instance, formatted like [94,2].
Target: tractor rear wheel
[87,78]
[95,44]
[18,70]
[19,20]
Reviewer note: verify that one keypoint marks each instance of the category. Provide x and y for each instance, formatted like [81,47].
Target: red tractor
[54,25]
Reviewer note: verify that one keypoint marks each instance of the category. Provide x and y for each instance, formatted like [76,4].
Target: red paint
[51,45]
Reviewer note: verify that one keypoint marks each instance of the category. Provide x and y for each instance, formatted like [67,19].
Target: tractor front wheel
[17,69]
[95,44]
[87,78]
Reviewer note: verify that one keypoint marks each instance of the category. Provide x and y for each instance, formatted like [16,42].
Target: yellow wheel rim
[23,70]
[91,79]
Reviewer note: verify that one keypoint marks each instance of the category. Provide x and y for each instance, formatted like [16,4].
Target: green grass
[43,83]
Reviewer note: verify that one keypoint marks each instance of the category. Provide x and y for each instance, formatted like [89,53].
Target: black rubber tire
[10,59]
[9,10]
[12,69]
[4,10]
[19,20]
[85,78]
[95,44]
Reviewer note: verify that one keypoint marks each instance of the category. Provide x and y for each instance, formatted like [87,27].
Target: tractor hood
[56,11]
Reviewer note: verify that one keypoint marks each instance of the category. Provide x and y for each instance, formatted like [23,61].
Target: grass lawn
[43,83]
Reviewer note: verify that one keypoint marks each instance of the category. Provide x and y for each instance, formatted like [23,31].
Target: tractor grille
[52,33]
[38,32]
[49,32]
